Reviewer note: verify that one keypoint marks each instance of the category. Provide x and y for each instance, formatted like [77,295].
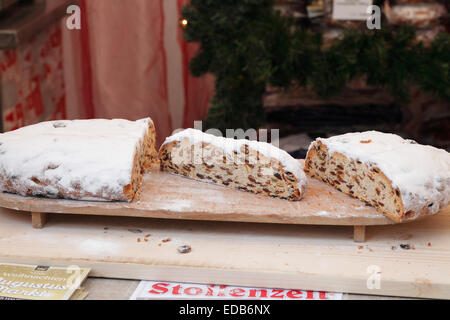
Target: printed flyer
[152,290]
[33,282]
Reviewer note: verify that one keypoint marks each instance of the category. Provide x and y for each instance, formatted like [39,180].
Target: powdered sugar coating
[84,159]
[420,172]
[229,145]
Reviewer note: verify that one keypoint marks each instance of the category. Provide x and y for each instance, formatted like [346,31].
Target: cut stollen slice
[247,165]
[96,159]
[400,178]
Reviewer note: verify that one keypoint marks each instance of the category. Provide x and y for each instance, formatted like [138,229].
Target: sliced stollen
[400,178]
[94,159]
[252,166]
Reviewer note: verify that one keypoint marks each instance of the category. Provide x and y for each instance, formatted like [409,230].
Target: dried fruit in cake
[400,178]
[252,166]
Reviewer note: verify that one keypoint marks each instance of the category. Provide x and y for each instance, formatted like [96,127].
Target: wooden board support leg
[359,233]
[38,219]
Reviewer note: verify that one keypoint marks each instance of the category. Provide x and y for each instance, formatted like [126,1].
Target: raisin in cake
[400,178]
[95,159]
[252,166]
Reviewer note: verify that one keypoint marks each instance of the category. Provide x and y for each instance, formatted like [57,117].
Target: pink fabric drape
[128,62]
[119,68]
[197,91]
[32,85]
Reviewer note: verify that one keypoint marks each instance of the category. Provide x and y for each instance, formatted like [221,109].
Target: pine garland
[247,44]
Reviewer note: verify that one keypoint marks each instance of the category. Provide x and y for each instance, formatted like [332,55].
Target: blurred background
[302,67]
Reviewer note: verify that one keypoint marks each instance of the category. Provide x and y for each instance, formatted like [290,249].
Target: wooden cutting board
[163,195]
[305,257]
[168,196]
[118,240]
